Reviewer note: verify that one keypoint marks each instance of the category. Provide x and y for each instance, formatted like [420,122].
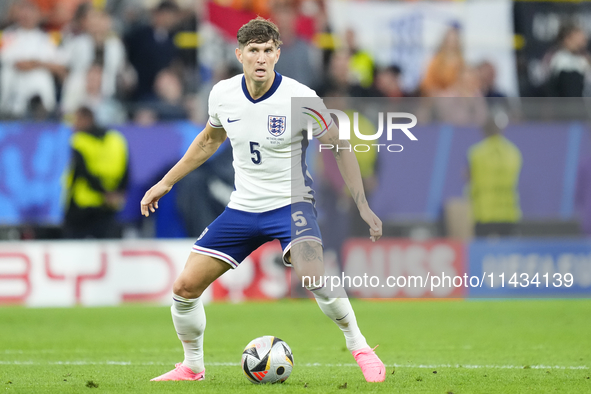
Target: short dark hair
[394,69]
[258,31]
[167,6]
[86,112]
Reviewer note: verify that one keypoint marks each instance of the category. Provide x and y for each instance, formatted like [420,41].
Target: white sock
[188,317]
[340,311]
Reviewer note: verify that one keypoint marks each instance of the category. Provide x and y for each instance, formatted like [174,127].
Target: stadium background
[346,55]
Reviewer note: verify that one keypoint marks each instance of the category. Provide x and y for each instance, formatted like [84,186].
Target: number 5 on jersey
[299,219]
[254,149]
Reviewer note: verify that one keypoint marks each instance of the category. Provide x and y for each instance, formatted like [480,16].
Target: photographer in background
[494,168]
[96,180]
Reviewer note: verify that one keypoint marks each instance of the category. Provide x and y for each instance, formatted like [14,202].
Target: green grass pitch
[521,346]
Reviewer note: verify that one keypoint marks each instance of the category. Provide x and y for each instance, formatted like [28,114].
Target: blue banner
[33,158]
[410,186]
[530,268]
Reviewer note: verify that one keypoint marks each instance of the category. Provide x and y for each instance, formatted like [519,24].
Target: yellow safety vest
[495,164]
[106,158]
[361,63]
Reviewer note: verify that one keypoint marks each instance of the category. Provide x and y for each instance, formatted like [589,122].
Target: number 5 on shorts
[299,219]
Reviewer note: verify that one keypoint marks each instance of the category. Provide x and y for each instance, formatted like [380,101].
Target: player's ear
[278,54]
[238,52]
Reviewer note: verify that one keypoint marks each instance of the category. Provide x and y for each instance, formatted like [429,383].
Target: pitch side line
[234,364]
[52,351]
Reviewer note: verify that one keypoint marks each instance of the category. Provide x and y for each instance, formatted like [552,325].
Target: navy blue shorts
[236,234]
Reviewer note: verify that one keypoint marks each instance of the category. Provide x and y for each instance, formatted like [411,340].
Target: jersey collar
[276,83]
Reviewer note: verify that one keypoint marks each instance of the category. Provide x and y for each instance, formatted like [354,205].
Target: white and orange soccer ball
[267,359]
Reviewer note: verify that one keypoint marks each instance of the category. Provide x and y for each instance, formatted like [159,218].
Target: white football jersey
[269,157]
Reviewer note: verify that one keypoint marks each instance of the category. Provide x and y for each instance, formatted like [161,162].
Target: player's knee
[185,289]
[311,277]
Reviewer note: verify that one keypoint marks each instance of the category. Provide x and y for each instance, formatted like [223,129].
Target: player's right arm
[201,149]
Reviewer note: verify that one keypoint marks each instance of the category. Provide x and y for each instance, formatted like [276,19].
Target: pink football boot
[372,367]
[180,373]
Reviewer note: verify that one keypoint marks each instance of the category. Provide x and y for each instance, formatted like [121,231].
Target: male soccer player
[269,201]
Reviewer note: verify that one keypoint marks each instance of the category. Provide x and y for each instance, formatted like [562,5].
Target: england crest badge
[276,125]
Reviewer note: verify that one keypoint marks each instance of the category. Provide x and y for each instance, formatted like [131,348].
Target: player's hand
[150,201]
[374,222]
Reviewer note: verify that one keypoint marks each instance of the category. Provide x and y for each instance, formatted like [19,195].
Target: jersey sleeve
[214,120]
[314,115]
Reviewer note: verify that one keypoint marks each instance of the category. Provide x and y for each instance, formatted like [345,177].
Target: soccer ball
[267,359]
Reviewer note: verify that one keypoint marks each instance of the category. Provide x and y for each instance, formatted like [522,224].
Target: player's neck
[258,89]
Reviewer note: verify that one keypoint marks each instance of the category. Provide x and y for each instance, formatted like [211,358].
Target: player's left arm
[349,168]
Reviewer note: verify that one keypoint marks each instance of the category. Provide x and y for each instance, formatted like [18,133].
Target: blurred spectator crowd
[117,57]
[137,60]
